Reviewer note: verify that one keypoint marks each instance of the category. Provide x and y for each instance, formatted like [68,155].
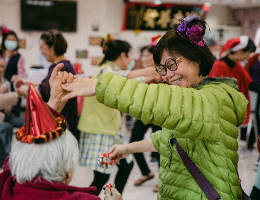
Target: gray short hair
[51,160]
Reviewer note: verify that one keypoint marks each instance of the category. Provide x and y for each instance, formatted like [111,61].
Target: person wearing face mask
[14,64]
[99,125]
[232,53]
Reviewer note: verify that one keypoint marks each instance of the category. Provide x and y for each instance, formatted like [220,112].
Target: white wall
[108,13]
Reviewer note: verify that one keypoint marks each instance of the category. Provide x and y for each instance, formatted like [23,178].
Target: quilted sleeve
[192,113]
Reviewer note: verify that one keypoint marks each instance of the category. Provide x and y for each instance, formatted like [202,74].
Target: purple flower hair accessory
[182,26]
[194,33]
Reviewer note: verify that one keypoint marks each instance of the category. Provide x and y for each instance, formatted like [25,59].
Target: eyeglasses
[170,64]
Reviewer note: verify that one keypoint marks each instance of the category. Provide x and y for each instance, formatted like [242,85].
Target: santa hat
[39,126]
[155,40]
[234,45]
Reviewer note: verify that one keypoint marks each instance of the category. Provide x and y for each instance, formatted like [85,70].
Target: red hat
[235,44]
[39,126]
[155,40]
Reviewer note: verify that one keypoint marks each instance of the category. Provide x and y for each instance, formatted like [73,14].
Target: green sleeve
[191,113]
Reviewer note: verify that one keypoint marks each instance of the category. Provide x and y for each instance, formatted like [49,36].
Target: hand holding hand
[83,87]
[118,152]
[22,90]
[149,71]
[112,194]
[151,75]
[57,92]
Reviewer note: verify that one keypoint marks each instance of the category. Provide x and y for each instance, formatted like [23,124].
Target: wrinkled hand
[112,194]
[22,90]
[18,83]
[57,92]
[83,87]
[118,152]
[56,80]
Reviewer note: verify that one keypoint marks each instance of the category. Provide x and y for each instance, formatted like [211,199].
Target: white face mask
[10,45]
[131,65]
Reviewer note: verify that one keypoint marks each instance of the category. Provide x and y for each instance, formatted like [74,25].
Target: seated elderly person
[6,130]
[43,160]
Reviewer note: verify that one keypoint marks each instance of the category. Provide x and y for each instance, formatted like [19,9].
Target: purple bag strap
[201,180]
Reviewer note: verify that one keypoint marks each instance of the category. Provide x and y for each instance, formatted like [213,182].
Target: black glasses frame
[162,69]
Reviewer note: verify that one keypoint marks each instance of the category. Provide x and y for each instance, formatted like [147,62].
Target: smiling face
[186,74]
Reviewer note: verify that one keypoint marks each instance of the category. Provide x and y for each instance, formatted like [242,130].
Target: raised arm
[57,93]
[119,151]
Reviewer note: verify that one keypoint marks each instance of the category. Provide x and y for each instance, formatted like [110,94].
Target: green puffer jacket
[204,120]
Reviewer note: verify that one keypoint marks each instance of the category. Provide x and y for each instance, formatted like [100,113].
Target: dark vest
[11,68]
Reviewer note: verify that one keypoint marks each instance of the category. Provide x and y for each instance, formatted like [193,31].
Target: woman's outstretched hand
[112,194]
[118,152]
[83,87]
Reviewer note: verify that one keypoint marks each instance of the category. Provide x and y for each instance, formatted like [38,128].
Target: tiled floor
[83,177]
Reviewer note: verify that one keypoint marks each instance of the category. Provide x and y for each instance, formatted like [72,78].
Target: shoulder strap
[201,180]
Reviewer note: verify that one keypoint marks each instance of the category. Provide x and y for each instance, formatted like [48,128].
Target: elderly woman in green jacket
[201,113]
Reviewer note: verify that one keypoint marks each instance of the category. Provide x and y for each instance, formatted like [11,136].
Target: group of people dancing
[193,102]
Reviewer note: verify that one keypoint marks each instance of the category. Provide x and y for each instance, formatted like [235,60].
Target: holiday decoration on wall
[95,40]
[82,54]
[150,16]
[22,43]
[96,60]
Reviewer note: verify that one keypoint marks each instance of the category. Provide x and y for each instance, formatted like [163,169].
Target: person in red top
[43,160]
[232,53]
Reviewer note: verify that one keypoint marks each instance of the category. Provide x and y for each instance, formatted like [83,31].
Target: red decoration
[205,8]
[77,68]
[101,162]
[155,40]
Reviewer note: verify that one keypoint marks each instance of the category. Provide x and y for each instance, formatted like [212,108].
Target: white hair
[51,160]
